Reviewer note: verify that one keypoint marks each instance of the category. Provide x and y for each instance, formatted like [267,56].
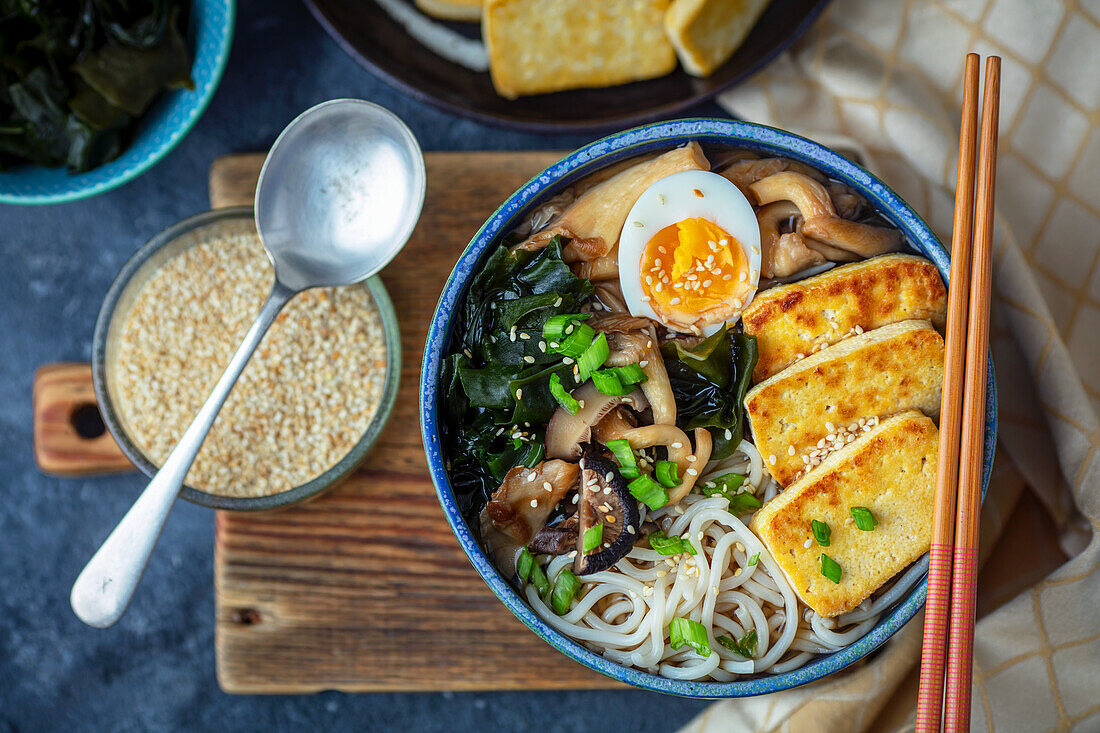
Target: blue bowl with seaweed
[93,121]
[434,389]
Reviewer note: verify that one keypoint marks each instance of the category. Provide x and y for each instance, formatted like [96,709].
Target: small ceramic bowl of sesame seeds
[310,403]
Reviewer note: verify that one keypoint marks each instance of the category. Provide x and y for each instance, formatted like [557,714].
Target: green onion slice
[666,545]
[648,491]
[562,396]
[554,328]
[744,502]
[631,374]
[725,485]
[667,473]
[753,559]
[524,563]
[865,520]
[576,342]
[593,357]
[746,647]
[830,569]
[683,631]
[821,532]
[539,579]
[565,587]
[628,466]
[608,382]
[593,536]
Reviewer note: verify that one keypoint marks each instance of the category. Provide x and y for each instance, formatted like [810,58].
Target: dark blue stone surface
[155,669]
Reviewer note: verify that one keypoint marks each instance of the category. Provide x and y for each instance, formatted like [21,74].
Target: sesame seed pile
[305,398]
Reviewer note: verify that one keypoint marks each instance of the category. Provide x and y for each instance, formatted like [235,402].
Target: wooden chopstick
[964,579]
[934,645]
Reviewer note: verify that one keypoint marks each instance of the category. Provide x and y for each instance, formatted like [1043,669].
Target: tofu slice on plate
[538,46]
[469,10]
[815,405]
[705,33]
[793,321]
[890,471]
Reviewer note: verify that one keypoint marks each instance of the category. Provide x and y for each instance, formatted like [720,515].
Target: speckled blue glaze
[210,34]
[656,137]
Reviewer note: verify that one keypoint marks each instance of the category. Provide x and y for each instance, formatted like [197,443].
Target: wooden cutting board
[366,588]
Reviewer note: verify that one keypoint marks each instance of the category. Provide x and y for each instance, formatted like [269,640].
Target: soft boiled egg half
[689,254]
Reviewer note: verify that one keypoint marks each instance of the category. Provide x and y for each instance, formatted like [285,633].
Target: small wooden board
[366,588]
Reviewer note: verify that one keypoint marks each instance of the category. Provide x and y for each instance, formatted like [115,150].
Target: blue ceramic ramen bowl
[209,33]
[609,150]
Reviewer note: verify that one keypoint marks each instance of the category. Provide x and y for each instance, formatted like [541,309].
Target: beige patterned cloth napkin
[884,77]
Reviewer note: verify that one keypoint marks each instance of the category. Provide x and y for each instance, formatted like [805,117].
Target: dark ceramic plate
[381,44]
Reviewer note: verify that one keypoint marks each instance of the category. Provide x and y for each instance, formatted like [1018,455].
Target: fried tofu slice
[468,10]
[538,46]
[891,471]
[793,321]
[815,405]
[705,33]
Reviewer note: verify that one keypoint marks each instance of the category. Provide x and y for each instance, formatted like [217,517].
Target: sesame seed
[661,201]
[692,472]
[639,224]
[630,528]
[534,502]
[728,434]
[736,572]
[529,359]
[790,450]
[771,459]
[706,283]
[610,518]
[727,276]
[519,393]
[662,573]
[740,547]
[808,544]
[576,497]
[531,477]
[566,360]
[677,445]
[547,485]
[692,459]
[674,301]
[542,346]
[657,288]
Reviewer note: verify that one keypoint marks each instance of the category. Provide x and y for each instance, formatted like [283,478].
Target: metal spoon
[338,197]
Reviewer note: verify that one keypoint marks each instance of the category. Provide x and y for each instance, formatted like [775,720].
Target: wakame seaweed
[709,382]
[495,386]
[76,76]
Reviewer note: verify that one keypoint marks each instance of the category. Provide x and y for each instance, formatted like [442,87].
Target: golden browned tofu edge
[791,320]
[874,375]
[898,461]
[705,33]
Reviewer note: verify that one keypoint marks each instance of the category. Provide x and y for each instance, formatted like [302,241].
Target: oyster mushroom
[782,255]
[595,219]
[676,442]
[604,499]
[633,340]
[526,497]
[566,432]
[819,218]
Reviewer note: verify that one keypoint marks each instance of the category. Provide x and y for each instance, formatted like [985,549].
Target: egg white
[671,200]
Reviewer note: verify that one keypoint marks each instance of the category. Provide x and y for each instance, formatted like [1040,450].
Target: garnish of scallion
[608,383]
[684,631]
[667,474]
[539,579]
[745,646]
[554,328]
[830,568]
[577,340]
[666,545]
[565,588]
[648,491]
[524,563]
[593,357]
[593,537]
[628,464]
[753,559]
[863,517]
[630,374]
[821,532]
[563,398]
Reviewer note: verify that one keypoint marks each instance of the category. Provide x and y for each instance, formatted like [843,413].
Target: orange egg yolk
[691,267]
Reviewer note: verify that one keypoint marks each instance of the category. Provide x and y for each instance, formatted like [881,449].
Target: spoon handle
[104,588]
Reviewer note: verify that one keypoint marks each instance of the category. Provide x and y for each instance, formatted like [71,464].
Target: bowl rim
[298,494]
[606,151]
[105,178]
